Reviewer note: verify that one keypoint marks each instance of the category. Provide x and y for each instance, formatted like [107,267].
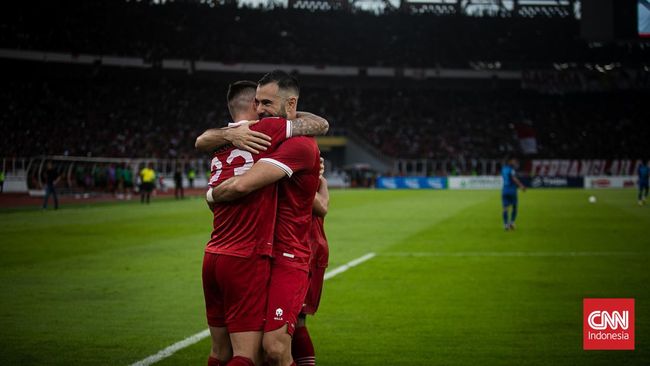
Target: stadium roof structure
[504,8]
[500,8]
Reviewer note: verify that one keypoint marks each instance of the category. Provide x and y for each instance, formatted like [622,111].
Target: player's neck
[242,117]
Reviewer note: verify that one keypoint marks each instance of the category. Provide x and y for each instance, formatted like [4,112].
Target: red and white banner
[527,139]
[581,168]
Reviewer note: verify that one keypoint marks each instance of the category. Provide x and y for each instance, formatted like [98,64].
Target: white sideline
[173,348]
[509,254]
[348,265]
[162,354]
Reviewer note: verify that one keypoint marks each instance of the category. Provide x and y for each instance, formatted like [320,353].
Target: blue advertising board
[411,183]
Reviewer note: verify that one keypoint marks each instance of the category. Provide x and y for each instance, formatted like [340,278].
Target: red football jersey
[245,226]
[319,247]
[299,158]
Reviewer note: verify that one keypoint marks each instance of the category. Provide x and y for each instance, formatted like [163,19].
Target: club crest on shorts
[278,314]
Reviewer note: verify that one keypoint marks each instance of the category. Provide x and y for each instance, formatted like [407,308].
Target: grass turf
[112,284]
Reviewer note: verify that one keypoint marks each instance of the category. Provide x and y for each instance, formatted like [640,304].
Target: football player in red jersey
[236,264]
[302,348]
[297,160]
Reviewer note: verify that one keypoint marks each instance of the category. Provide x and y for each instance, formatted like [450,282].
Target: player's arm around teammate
[261,175]
[242,137]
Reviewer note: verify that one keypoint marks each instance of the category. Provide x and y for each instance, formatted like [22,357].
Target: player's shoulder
[303,147]
[268,123]
[306,140]
[300,141]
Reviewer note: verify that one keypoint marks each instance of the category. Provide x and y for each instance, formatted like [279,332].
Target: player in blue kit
[509,193]
[643,183]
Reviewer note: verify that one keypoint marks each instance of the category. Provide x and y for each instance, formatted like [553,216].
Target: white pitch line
[509,254]
[348,265]
[206,333]
[173,348]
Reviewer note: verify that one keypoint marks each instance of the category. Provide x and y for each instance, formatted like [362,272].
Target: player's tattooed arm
[260,175]
[240,136]
[308,124]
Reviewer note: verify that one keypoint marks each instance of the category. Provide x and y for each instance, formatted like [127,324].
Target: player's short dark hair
[238,87]
[236,93]
[284,80]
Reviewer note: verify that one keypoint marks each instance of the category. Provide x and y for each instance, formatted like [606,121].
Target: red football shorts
[235,291]
[312,300]
[287,291]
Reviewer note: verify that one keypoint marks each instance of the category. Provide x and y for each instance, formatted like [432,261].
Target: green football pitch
[111,284]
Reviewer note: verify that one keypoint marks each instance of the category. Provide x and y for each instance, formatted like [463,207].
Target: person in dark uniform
[2,180]
[178,184]
[51,178]
[644,173]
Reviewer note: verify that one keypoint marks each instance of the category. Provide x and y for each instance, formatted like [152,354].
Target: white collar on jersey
[235,124]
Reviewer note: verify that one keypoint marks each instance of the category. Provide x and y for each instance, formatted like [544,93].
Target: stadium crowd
[574,80]
[449,125]
[195,31]
[113,119]
[161,118]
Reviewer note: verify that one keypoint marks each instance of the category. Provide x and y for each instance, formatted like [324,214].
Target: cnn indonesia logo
[608,324]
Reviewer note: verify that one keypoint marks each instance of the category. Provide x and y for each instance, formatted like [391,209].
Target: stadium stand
[159,118]
[101,111]
[197,31]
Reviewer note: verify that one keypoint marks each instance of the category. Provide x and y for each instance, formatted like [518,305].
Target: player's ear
[292,103]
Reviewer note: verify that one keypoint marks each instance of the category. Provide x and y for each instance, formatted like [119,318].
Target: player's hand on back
[244,138]
[211,206]
[322,167]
